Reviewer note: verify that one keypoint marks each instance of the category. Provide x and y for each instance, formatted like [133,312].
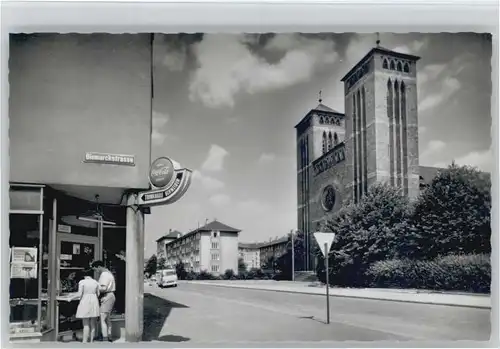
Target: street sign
[324,238]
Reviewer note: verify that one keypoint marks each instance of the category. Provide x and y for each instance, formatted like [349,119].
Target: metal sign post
[327,285]
[326,240]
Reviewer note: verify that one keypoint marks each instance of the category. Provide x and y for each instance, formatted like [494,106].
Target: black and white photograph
[210,188]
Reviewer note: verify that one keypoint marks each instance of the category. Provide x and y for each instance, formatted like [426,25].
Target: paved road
[208,314]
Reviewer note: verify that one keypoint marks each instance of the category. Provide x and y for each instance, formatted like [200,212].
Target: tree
[180,270]
[284,262]
[452,216]
[242,266]
[366,232]
[161,262]
[270,264]
[150,268]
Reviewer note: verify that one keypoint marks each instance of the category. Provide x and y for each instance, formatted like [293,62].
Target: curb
[478,306]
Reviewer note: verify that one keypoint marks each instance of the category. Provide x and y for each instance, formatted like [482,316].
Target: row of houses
[214,247]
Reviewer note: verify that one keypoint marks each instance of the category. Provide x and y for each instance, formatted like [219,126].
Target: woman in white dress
[88,308]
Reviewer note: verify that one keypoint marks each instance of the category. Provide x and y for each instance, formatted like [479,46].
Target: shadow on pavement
[156,312]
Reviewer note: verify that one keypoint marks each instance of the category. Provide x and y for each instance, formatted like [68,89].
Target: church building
[340,155]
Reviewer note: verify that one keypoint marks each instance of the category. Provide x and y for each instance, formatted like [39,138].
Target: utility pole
[293,256]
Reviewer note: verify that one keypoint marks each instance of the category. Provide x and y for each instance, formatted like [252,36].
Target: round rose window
[328,198]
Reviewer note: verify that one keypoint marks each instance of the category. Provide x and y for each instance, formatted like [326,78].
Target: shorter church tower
[318,133]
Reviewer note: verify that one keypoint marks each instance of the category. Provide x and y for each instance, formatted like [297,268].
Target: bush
[469,273]
[192,276]
[229,274]
[205,275]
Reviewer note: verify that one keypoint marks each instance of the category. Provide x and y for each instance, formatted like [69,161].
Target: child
[88,308]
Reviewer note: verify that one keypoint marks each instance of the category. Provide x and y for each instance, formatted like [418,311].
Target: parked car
[167,278]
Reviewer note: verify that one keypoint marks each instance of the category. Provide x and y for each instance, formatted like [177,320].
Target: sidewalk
[396,295]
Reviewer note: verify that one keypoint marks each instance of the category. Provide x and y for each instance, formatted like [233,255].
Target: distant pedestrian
[107,287]
[88,307]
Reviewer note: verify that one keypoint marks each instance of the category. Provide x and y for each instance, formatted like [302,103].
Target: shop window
[28,260]
[25,198]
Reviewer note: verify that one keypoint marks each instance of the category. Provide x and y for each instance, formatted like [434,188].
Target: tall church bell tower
[382,122]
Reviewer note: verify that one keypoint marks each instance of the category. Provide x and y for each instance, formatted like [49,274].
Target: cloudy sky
[226,106]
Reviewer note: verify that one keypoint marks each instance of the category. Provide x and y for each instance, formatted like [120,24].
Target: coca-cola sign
[161,172]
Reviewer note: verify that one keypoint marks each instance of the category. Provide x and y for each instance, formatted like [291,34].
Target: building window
[321,121]
[215,268]
[399,67]
[406,68]
[330,141]
[393,66]
[215,256]
[215,245]
[384,64]
[335,139]
[324,142]
[390,116]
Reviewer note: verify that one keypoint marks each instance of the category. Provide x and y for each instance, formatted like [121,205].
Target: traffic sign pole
[327,285]
[326,240]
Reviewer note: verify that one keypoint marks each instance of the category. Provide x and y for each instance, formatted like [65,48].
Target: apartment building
[212,248]
[274,248]
[250,253]
[164,240]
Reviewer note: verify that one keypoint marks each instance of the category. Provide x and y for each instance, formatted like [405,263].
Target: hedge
[469,273]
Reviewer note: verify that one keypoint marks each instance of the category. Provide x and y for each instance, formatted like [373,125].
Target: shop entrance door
[74,253]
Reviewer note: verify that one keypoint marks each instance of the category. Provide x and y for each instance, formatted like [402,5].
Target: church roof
[320,107]
[428,173]
[379,50]
[325,108]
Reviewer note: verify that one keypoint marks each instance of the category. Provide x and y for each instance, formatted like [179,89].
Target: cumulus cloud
[449,86]
[266,158]
[253,207]
[159,121]
[207,182]
[483,160]
[413,48]
[215,159]
[430,150]
[227,66]
[439,83]
[220,200]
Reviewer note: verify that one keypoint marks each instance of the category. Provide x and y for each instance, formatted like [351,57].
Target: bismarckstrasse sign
[110,159]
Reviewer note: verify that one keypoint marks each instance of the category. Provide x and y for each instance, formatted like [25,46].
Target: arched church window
[399,67]
[393,66]
[406,68]
[330,143]
[321,121]
[324,142]
[385,65]
[335,139]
